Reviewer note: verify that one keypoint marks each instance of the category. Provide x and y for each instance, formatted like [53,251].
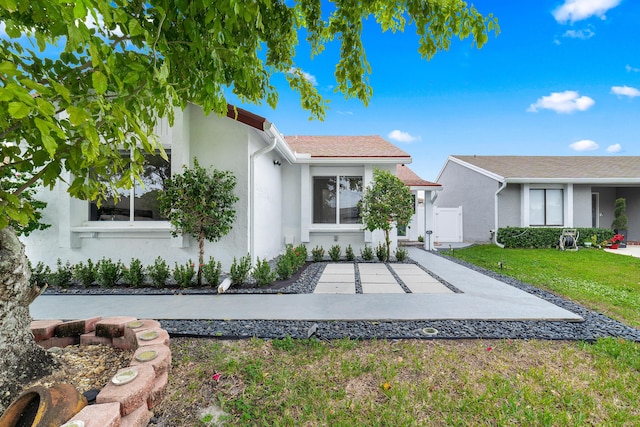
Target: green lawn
[430,382]
[606,282]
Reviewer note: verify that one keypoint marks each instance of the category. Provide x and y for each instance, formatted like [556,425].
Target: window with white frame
[546,207]
[335,199]
[141,202]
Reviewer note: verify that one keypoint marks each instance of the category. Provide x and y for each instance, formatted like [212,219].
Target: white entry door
[448,224]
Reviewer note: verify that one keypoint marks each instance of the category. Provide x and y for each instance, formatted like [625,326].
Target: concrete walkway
[483,298]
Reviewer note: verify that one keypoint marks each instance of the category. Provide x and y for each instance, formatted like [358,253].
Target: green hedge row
[542,237]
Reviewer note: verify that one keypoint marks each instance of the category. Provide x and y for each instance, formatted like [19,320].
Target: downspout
[254,155]
[495,232]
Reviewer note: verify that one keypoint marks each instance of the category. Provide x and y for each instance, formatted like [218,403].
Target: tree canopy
[386,203]
[81,81]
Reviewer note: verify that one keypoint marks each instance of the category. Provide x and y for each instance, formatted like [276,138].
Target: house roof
[246,117]
[567,168]
[371,146]
[411,179]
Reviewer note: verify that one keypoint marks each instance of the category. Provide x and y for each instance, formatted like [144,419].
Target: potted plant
[620,220]
[615,241]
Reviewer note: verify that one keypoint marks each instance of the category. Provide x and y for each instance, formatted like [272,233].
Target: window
[142,200]
[546,207]
[335,199]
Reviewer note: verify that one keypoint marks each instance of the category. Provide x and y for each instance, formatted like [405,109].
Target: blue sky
[562,78]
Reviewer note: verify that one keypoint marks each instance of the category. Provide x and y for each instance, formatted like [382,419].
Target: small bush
[284,267]
[108,272]
[262,273]
[317,253]
[401,254]
[348,253]
[301,255]
[39,274]
[212,271]
[366,253]
[240,270]
[334,252]
[184,274]
[134,274]
[85,274]
[158,273]
[421,238]
[62,276]
[381,252]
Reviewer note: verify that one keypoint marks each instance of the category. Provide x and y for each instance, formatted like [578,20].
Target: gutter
[495,233]
[254,155]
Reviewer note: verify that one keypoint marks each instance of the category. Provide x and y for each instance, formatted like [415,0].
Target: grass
[430,382]
[606,282]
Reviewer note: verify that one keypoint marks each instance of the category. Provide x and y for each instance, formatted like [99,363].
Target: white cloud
[584,145]
[345,113]
[579,34]
[631,92]
[400,136]
[562,102]
[577,10]
[615,148]
[309,77]
[630,69]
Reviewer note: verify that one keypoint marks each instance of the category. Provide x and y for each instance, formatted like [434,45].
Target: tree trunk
[21,359]
[200,258]
[387,240]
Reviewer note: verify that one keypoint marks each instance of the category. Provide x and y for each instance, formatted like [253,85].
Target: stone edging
[129,404]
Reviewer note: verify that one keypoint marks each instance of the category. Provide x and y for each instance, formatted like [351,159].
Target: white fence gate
[448,224]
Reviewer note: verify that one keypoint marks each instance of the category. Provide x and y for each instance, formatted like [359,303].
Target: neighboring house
[539,191]
[294,190]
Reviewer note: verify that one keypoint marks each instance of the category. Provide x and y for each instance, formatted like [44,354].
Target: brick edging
[117,405]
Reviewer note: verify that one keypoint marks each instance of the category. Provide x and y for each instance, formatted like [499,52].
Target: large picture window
[335,199]
[546,207]
[141,202]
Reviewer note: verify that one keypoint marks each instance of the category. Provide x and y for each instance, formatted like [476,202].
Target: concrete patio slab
[335,288]
[377,278]
[428,288]
[365,268]
[339,268]
[328,277]
[381,288]
[418,279]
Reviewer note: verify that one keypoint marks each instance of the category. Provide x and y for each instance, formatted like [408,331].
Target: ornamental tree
[385,203]
[82,80]
[200,202]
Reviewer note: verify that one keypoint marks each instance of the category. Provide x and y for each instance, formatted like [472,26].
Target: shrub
[158,273]
[545,237]
[348,253]
[62,276]
[184,274]
[85,274]
[284,267]
[134,275]
[108,272]
[381,252]
[317,253]
[212,271]
[421,238]
[401,254]
[240,270]
[366,253]
[39,274]
[262,273]
[301,255]
[334,252]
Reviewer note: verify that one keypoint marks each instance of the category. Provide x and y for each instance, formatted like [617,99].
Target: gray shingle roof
[558,167]
[345,146]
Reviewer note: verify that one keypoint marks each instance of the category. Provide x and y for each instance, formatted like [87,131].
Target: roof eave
[305,158]
[608,181]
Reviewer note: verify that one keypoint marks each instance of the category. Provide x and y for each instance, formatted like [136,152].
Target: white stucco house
[539,191]
[292,190]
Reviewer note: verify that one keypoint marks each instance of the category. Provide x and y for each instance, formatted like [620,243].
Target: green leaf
[18,110]
[9,5]
[43,126]
[8,68]
[135,29]
[79,10]
[99,81]
[50,145]
[77,116]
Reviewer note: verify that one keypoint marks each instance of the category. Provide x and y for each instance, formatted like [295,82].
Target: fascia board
[477,169]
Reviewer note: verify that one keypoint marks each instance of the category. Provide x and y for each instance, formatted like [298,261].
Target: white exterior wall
[291,203]
[215,141]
